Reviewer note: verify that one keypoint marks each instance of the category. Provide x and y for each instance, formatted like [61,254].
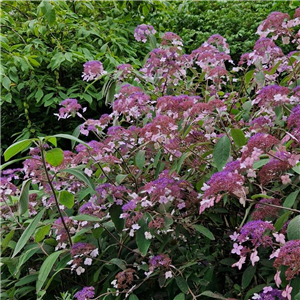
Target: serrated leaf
[46,269]
[182,284]
[293,229]
[290,199]
[221,152]
[66,198]
[248,276]
[24,197]
[41,233]
[205,231]
[16,148]
[238,137]
[54,157]
[28,232]
[140,159]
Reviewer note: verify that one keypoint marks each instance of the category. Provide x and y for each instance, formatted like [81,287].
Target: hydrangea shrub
[188,189]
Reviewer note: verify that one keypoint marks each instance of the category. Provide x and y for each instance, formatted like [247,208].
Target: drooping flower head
[92,70]
[69,108]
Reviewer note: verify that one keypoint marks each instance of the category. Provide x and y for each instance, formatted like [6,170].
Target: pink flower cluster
[142,31]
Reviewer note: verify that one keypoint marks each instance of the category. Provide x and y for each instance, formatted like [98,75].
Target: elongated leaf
[221,152]
[142,243]
[6,240]
[46,269]
[12,162]
[72,138]
[140,159]
[280,221]
[290,199]
[293,230]
[213,295]
[205,231]
[28,232]
[86,218]
[66,198]
[248,276]
[16,148]
[26,279]
[24,257]
[238,137]
[80,175]
[54,157]
[182,284]
[24,197]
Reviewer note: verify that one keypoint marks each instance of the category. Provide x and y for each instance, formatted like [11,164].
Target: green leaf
[86,218]
[38,95]
[205,231]
[115,212]
[281,221]
[54,157]
[28,232]
[52,140]
[41,233]
[118,262]
[27,279]
[139,159]
[142,243]
[24,257]
[290,199]
[56,61]
[66,198]
[46,269]
[17,147]
[24,197]
[80,175]
[260,163]
[48,11]
[72,138]
[120,178]
[238,137]
[248,77]
[221,152]
[180,296]
[6,83]
[296,168]
[293,229]
[248,276]
[264,196]
[212,295]
[12,162]
[182,284]
[6,240]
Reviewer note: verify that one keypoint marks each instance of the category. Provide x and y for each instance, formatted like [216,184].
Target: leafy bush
[189,188]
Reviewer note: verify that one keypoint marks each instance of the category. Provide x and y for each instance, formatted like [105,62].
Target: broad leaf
[118,262]
[182,284]
[16,148]
[290,199]
[41,233]
[180,296]
[248,276]
[54,157]
[139,159]
[221,152]
[293,229]
[238,137]
[66,198]
[141,241]
[115,212]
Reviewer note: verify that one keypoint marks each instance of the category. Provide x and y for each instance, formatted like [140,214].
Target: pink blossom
[240,262]
[277,278]
[254,257]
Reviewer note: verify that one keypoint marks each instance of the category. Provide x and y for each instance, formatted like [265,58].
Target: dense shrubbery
[44,44]
[188,189]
